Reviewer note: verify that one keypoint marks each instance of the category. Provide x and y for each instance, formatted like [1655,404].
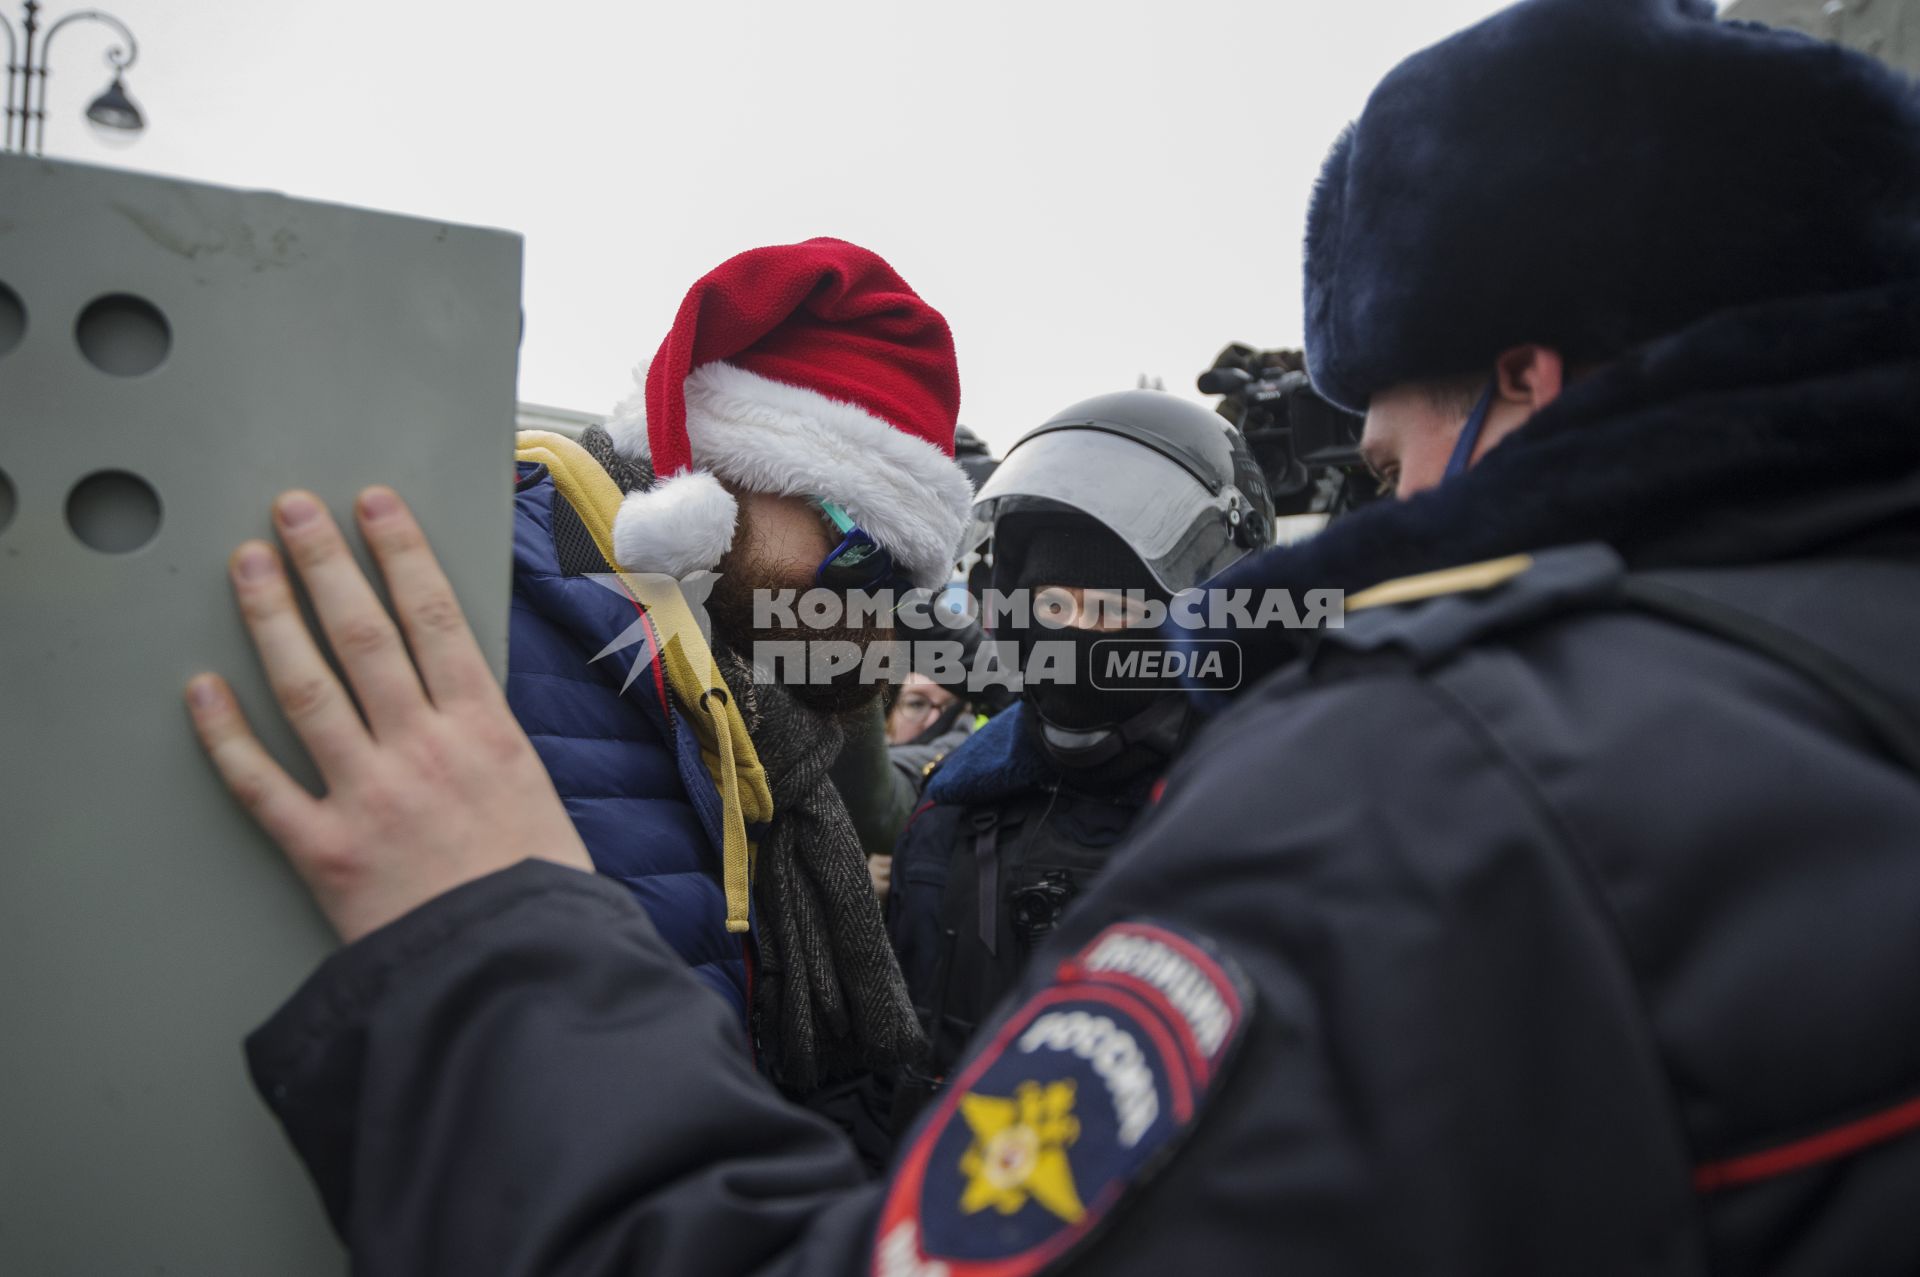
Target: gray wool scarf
[830,1001]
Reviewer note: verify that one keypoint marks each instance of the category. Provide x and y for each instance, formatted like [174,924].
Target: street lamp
[112,113]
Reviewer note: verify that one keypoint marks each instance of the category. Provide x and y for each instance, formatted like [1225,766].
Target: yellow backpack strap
[725,747]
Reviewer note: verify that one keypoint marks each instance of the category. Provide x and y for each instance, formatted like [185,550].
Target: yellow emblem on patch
[1019,1151]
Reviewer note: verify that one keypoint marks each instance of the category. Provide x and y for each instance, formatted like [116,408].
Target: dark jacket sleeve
[1448,1068]
[521,1078]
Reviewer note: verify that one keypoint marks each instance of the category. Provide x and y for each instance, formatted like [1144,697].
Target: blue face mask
[1469,439]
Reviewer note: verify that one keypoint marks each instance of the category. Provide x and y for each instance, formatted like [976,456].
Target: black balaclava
[1084,729]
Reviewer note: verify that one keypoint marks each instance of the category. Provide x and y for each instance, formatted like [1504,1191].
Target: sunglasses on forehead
[858,562]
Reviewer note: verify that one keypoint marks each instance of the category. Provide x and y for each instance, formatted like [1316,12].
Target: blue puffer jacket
[629,773]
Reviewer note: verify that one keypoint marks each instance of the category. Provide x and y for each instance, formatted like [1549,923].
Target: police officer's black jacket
[1520,928]
[990,863]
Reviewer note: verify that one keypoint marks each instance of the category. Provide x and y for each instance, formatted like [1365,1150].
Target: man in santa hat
[799,414]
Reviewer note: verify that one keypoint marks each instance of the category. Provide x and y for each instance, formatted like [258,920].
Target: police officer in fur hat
[1558,914]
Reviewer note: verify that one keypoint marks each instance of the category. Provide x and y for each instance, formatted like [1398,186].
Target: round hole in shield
[13,319]
[113,511]
[7,501]
[123,335]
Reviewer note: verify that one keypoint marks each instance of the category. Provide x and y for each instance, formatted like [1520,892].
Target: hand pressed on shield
[436,784]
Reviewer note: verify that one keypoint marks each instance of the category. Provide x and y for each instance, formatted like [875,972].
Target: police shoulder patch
[1079,1098]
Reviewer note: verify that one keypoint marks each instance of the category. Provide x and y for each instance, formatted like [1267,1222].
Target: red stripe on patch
[1841,1141]
[1193,953]
[1197,1062]
[1179,1083]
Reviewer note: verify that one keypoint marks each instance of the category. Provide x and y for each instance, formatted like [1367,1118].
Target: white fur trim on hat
[678,526]
[766,436]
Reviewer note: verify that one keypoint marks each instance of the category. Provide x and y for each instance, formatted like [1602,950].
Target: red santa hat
[801,369]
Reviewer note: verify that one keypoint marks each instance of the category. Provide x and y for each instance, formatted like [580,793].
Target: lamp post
[113,111]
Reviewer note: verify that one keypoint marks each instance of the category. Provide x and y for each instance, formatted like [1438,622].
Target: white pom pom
[680,525]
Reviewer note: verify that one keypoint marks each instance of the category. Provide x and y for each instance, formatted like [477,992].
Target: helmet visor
[1182,530]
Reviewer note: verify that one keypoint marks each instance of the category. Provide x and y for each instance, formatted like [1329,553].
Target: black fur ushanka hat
[1592,174]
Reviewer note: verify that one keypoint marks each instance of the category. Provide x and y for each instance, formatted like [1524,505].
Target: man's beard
[730,606]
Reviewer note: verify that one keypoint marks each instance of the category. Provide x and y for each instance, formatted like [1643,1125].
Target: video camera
[1308,449]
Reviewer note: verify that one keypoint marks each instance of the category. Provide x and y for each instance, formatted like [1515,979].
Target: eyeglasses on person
[858,562]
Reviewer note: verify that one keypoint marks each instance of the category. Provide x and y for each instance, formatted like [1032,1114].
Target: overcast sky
[1089,189]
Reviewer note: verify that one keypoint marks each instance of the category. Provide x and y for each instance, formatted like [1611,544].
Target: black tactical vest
[1015,867]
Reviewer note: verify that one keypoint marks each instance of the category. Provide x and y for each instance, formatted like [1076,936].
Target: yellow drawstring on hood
[725,747]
